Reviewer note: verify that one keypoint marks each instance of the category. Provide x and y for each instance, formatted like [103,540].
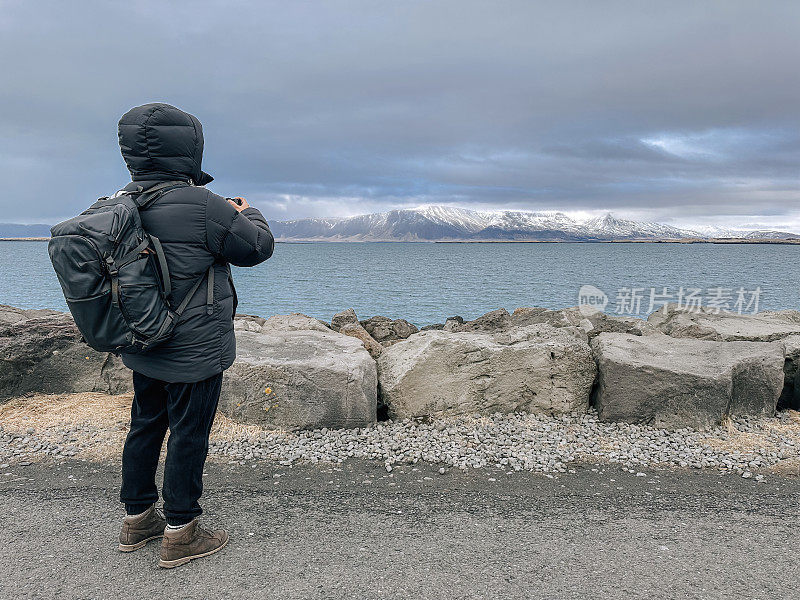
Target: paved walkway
[359,533]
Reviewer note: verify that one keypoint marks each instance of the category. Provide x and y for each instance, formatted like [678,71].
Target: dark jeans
[188,410]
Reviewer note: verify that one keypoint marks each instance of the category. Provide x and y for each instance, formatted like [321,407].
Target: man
[177,384]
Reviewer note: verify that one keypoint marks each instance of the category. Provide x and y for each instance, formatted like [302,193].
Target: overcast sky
[680,112]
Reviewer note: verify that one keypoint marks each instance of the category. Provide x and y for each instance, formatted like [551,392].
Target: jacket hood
[161,142]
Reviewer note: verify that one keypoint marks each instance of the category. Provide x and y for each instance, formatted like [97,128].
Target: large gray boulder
[388,331]
[347,323]
[357,331]
[41,352]
[705,324]
[290,322]
[493,321]
[300,378]
[534,369]
[12,314]
[345,317]
[680,382]
[295,322]
[725,326]
[591,324]
[248,323]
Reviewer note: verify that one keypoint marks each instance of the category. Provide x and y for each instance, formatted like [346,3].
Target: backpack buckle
[112,271]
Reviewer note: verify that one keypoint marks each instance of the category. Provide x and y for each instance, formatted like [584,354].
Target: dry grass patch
[96,423]
[65,410]
[753,441]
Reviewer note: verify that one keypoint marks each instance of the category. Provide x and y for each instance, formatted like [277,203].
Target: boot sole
[171,564]
[137,545]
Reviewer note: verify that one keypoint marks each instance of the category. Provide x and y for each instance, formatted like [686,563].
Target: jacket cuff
[252,210]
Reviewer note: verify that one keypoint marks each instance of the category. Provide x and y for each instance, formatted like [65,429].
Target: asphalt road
[357,533]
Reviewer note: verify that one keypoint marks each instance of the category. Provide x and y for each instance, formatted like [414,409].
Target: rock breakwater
[678,369]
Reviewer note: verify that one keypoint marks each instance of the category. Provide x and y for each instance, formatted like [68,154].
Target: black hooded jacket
[197,229]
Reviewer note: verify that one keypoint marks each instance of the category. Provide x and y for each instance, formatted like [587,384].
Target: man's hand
[239,206]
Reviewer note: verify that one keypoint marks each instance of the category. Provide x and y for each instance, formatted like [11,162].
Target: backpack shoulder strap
[174,316]
[162,265]
[144,199]
[207,276]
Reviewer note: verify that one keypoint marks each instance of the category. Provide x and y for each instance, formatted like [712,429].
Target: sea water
[427,282]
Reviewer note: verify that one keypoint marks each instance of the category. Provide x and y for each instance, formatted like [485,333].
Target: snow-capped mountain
[712,231]
[426,224]
[707,231]
[610,227]
[446,223]
[761,234]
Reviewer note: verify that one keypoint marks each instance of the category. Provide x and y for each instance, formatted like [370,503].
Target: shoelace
[207,533]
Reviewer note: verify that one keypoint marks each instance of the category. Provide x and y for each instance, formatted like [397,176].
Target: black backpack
[115,276]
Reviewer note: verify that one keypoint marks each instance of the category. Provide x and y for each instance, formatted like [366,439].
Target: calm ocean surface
[425,283]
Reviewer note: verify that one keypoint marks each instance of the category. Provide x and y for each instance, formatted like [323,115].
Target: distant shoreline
[659,241]
[656,241]
[678,241]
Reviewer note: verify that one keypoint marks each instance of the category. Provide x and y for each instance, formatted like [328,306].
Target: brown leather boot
[190,542]
[137,531]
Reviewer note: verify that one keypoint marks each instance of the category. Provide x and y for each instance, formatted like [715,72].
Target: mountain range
[446,223]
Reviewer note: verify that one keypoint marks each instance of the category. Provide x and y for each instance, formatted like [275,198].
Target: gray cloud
[677,111]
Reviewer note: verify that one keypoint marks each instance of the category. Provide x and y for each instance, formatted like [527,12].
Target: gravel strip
[512,442]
